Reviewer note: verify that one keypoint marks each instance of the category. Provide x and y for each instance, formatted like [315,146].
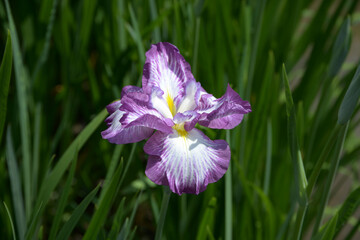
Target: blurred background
[295,161]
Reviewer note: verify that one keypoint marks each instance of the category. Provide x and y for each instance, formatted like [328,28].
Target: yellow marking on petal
[180,129]
[171,104]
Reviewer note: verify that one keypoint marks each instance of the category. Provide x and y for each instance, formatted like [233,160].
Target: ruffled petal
[167,72]
[116,132]
[186,162]
[223,113]
[132,119]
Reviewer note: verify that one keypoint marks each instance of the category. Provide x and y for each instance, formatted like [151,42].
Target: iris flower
[171,102]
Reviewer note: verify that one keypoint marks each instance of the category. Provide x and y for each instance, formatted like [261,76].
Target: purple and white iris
[172,102]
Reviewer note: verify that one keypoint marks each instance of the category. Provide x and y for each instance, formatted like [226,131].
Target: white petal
[186,161]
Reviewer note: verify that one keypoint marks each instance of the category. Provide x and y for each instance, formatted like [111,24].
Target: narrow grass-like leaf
[131,157]
[132,233]
[350,100]
[335,158]
[228,197]
[11,221]
[87,18]
[122,42]
[63,199]
[353,231]
[196,47]
[255,40]
[328,230]
[21,83]
[112,168]
[299,171]
[75,217]
[347,209]
[163,211]
[33,223]
[156,211]
[319,163]
[45,51]
[117,220]
[137,37]
[340,48]
[36,148]
[131,219]
[300,176]
[269,210]
[52,180]
[102,210]
[268,157]
[5,75]
[209,233]
[154,15]
[123,229]
[15,182]
[207,220]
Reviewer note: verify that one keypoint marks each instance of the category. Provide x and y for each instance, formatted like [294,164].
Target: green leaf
[103,208]
[340,48]
[269,218]
[207,220]
[45,51]
[5,75]
[137,36]
[350,100]
[11,221]
[228,198]
[328,230]
[335,159]
[63,199]
[321,160]
[126,231]
[87,19]
[163,211]
[347,209]
[22,82]
[15,182]
[117,220]
[299,170]
[36,148]
[52,180]
[109,175]
[268,157]
[75,217]
[154,16]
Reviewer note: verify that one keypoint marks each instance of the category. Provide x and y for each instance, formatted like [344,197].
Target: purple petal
[116,132]
[168,72]
[223,113]
[186,162]
[132,119]
[139,113]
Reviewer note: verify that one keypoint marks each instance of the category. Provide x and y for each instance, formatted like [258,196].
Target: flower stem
[164,206]
[228,198]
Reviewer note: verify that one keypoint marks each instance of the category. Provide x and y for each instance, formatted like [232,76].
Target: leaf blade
[5,75]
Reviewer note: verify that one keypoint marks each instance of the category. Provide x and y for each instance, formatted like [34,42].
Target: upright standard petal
[223,113]
[131,119]
[168,72]
[186,161]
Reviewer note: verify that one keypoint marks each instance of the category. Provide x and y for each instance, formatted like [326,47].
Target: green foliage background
[64,61]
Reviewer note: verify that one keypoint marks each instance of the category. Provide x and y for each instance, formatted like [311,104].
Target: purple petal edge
[186,169]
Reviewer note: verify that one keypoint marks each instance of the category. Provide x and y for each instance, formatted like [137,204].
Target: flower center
[180,129]
[171,104]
